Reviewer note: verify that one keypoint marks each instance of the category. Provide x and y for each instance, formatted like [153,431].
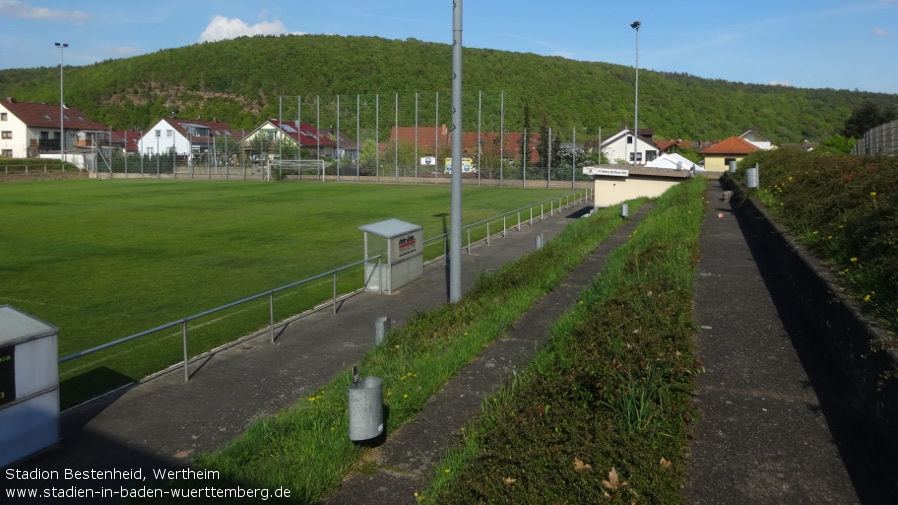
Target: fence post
[271,314]
[184,338]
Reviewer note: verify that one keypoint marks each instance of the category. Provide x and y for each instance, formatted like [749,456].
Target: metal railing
[185,321]
[555,204]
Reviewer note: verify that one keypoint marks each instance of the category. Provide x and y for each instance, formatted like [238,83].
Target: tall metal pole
[635,26]
[455,211]
[61,46]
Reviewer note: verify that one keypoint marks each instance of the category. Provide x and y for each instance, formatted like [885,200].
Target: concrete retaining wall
[856,341]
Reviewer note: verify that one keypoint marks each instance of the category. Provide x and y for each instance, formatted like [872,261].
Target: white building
[621,147]
[28,130]
[184,136]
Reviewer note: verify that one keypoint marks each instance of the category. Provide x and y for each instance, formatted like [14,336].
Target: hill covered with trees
[240,81]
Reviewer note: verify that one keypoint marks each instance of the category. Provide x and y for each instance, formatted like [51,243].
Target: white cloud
[780,83]
[222,28]
[21,10]
[879,32]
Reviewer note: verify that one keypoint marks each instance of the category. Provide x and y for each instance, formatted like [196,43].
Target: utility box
[403,248]
[29,385]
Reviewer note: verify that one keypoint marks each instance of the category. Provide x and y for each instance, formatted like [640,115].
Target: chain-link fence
[880,140]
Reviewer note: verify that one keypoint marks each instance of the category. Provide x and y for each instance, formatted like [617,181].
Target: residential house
[305,135]
[187,136]
[127,141]
[623,146]
[754,137]
[29,129]
[719,155]
[432,139]
[345,148]
[670,146]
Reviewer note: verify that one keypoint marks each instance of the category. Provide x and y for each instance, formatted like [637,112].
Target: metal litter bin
[366,409]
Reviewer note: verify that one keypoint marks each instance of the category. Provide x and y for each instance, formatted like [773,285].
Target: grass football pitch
[104,259]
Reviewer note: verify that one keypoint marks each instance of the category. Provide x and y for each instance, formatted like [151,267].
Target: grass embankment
[306,449]
[104,259]
[845,210]
[601,415]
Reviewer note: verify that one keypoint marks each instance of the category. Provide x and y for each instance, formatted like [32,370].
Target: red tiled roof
[489,140]
[130,139]
[44,115]
[732,145]
[307,135]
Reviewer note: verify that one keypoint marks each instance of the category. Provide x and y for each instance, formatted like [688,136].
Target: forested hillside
[239,81]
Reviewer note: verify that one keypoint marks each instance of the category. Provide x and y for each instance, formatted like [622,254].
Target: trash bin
[624,210]
[366,409]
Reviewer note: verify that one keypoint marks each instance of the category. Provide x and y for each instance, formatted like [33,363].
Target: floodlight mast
[636,25]
[61,46]
[455,219]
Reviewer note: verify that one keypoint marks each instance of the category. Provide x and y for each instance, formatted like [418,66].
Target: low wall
[856,342]
[42,176]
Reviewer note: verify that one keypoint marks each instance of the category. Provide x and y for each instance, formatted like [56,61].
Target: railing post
[542,211]
[531,215]
[271,314]
[335,292]
[184,338]
[469,240]
[504,227]
[487,233]
[519,220]
[551,208]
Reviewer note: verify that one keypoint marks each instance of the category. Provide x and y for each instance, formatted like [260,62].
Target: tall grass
[601,414]
[306,449]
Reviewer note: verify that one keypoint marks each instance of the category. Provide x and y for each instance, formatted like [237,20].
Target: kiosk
[29,385]
[404,252]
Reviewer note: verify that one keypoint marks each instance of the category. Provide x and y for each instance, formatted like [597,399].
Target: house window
[7,134]
[7,153]
[45,117]
[638,156]
[726,161]
[629,139]
[168,133]
[3,116]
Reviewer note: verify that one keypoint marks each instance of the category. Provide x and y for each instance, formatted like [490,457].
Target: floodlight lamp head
[635,25]
[62,44]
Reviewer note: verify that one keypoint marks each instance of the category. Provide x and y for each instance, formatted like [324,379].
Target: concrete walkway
[779,423]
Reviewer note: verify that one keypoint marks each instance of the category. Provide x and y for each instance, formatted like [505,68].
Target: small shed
[614,184]
[402,255]
[29,385]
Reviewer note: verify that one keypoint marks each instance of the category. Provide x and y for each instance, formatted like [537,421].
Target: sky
[848,44]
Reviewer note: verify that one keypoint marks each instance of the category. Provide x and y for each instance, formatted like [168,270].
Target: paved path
[405,461]
[779,424]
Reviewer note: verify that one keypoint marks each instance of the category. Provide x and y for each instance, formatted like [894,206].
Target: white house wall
[168,137]
[619,149]
[20,140]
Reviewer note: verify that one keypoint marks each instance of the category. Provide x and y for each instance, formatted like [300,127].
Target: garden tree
[405,155]
[840,144]
[865,117]
[228,148]
[368,156]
